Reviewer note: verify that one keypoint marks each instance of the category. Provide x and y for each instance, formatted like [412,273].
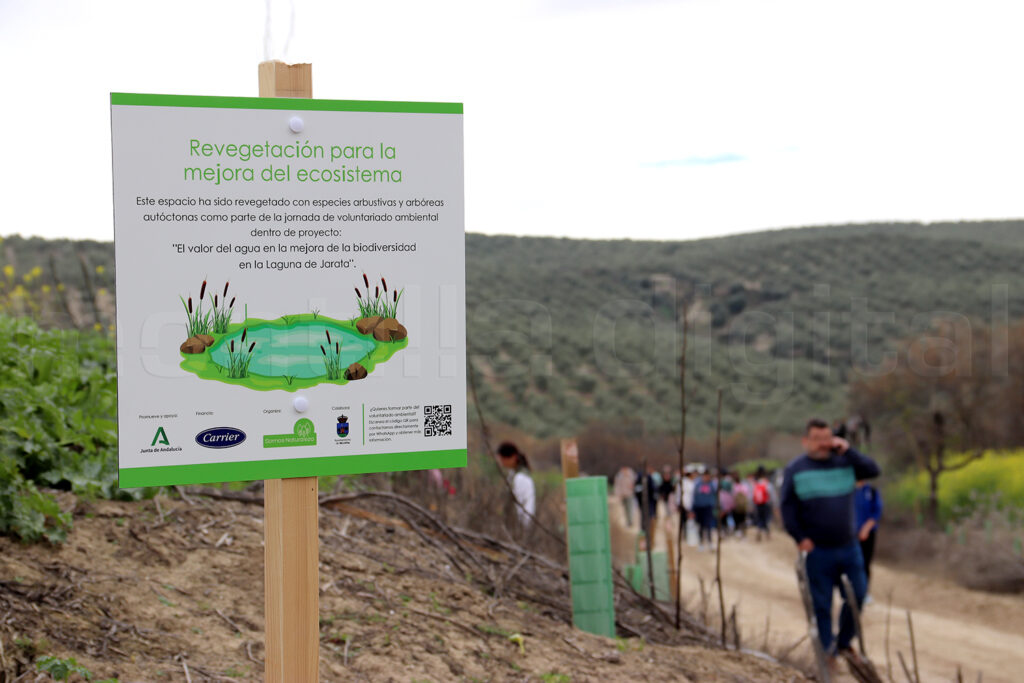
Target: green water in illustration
[294,351]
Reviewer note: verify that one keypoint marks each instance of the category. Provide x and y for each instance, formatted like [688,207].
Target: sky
[646,119]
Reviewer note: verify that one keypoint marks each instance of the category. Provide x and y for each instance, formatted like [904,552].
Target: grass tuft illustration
[197,322]
[238,361]
[222,310]
[332,359]
[379,303]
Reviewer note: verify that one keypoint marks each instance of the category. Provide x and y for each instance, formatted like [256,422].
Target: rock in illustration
[206,339]
[366,325]
[389,329]
[193,345]
[383,330]
[355,371]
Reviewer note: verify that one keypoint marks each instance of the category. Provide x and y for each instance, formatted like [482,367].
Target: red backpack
[760,493]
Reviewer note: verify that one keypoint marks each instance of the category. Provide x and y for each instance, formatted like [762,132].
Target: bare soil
[175,593]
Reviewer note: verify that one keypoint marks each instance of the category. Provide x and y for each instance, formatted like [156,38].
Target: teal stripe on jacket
[811,484]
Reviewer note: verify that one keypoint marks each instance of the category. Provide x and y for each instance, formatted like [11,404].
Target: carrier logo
[220,437]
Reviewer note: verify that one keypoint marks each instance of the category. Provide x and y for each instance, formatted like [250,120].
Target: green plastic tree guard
[590,555]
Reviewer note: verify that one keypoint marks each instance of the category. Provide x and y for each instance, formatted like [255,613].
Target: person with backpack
[705,493]
[726,503]
[740,504]
[762,503]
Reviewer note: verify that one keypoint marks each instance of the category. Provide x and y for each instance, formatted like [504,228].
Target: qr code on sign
[437,420]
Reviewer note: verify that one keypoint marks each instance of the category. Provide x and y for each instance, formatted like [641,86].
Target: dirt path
[952,625]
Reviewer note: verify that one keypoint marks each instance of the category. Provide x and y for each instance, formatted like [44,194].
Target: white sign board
[290,287]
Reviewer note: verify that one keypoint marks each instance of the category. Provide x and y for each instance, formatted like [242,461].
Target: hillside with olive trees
[563,333]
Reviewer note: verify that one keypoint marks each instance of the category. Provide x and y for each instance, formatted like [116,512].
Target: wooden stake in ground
[648,523]
[570,459]
[673,571]
[290,509]
[678,565]
[718,514]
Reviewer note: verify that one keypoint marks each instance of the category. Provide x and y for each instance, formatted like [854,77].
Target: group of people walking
[705,500]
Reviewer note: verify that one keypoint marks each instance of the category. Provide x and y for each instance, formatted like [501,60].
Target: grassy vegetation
[749,467]
[996,482]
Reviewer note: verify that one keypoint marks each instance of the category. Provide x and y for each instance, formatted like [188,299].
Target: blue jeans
[825,566]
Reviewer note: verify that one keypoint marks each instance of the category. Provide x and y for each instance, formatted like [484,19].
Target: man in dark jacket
[817,501]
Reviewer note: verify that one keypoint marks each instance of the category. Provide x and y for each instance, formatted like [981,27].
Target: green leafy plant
[61,669]
[58,404]
[332,359]
[198,322]
[555,677]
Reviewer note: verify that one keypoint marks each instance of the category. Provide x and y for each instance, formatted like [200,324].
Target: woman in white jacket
[521,481]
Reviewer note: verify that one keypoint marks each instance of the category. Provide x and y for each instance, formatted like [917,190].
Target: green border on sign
[210,473]
[288,103]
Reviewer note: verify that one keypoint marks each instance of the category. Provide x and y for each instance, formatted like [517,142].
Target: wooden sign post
[291,510]
[570,459]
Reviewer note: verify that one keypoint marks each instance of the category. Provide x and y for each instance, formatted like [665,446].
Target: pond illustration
[293,351]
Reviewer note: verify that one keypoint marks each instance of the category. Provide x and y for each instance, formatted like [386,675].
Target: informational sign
[290,287]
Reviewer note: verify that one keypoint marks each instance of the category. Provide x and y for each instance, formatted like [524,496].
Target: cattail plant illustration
[238,361]
[197,322]
[222,310]
[332,358]
[378,302]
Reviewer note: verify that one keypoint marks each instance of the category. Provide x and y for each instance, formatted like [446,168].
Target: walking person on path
[704,494]
[741,504]
[726,504]
[762,503]
[665,489]
[687,517]
[817,502]
[646,490]
[522,483]
[625,481]
[868,505]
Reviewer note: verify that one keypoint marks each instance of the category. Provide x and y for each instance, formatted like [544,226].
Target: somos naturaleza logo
[220,437]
